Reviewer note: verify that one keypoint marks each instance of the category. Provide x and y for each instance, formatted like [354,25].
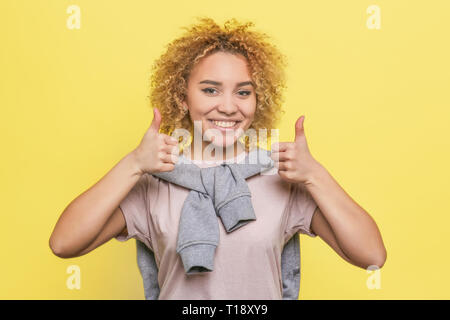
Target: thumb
[299,129]
[156,122]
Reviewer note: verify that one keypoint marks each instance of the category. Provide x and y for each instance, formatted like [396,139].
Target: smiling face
[221,95]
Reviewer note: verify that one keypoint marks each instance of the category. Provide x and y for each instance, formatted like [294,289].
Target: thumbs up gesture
[294,161]
[156,152]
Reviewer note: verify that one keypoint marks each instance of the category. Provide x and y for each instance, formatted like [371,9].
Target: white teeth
[225,124]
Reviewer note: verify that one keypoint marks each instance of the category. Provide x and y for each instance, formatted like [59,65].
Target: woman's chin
[223,143]
[224,140]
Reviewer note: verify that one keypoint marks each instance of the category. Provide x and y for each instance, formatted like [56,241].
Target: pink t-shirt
[247,261]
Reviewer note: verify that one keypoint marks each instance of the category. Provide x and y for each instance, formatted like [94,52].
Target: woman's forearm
[356,232]
[83,219]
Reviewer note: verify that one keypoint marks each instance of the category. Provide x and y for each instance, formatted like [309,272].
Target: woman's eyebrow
[215,83]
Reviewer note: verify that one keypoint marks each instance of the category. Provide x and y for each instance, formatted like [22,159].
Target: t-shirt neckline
[204,163]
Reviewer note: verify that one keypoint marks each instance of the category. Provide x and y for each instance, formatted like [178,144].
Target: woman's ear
[185,107]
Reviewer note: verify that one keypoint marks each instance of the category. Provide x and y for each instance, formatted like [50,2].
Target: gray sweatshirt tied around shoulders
[216,192]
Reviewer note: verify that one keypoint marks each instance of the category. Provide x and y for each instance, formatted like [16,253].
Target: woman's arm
[341,220]
[112,228]
[94,217]
[86,216]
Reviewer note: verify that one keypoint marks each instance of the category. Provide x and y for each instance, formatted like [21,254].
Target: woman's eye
[208,90]
[212,91]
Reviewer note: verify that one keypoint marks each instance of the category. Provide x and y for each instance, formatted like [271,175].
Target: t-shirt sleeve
[135,208]
[300,211]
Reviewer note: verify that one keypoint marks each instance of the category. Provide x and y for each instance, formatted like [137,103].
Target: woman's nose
[227,106]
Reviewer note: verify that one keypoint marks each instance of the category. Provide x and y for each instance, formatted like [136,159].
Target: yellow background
[377,106]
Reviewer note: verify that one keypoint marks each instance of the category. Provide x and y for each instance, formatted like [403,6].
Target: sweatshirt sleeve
[300,211]
[135,209]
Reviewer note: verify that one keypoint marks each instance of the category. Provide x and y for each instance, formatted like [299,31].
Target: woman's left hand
[294,161]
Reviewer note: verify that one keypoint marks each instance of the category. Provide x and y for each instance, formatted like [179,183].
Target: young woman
[228,79]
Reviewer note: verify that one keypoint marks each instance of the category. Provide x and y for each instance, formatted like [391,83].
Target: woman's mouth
[224,125]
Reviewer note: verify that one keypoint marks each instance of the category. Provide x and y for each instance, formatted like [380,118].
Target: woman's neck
[209,153]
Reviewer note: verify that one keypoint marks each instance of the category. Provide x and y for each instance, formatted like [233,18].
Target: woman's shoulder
[270,181]
[155,184]
[153,181]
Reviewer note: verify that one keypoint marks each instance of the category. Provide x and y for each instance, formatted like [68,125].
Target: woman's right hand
[157,152]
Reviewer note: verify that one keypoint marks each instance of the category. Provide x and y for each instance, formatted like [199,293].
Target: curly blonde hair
[171,71]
